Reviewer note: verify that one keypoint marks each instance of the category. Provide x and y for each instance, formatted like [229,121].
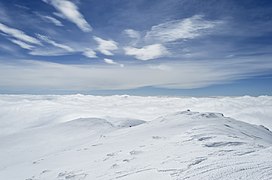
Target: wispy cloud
[4,16]
[70,12]
[134,35]
[147,52]
[106,46]
[49,51]
[51,19]
[49,41]
[89,53]
[22,7]
[110,61]
[188,28]
[18,34]
[162,34]
[22,44]
[185,74]
[7,48]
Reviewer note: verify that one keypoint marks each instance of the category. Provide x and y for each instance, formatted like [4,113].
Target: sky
[139,47]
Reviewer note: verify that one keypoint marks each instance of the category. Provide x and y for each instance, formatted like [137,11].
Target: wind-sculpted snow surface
[131,138]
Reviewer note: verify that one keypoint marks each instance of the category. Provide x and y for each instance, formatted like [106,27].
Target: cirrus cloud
[70,12]
[49,41]
[50,19]
[188,28]
[22,44]
[18,34]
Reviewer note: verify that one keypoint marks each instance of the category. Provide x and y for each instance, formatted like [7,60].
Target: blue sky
[145,47]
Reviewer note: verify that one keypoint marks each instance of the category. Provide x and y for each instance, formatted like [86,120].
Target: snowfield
[79,137]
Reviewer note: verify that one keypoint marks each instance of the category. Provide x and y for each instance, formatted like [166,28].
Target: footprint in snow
[37,162]
[157,137]
[71,176]
[134,152]
[44,171]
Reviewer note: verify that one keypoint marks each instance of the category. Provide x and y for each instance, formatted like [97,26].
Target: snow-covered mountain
[124,137]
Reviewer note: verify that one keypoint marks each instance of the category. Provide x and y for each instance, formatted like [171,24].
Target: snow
[78,137]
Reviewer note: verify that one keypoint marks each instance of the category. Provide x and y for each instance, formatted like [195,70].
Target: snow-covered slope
[179,145]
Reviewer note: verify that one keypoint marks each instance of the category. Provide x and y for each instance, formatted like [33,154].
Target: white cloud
[70,12]
[49,41]
[22,44]
[132,33]
[147,52]
[106,46]
[110,61]
[59,15]
[188,28]
[186,74]
[51,20]
[89,53]
[135,35]
[20,35]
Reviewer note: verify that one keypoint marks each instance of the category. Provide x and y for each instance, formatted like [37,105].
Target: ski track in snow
[79,137]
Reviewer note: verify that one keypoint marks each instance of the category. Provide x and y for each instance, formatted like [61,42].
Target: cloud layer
[44,75]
